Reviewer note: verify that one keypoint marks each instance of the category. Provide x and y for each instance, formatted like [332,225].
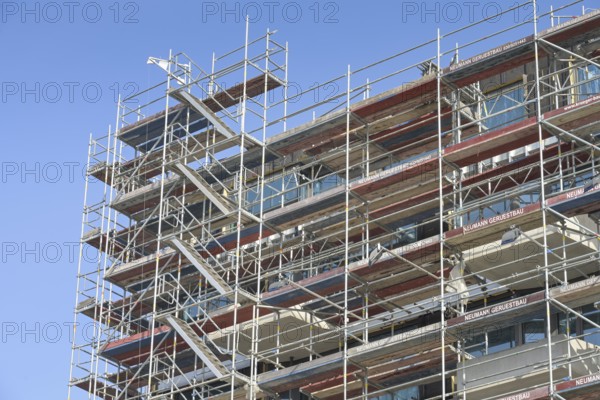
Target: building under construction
[428,230]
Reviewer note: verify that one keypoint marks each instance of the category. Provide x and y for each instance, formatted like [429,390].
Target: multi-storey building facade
[422,240]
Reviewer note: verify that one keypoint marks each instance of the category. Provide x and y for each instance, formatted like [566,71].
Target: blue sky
[62,66]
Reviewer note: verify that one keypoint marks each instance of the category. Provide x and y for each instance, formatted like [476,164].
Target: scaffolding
[437,239]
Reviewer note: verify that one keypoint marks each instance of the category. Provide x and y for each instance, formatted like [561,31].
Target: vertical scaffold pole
[542,198]
[79,268]
[441,212]
[238,247]
[285,87]
[346,234]
[160,217]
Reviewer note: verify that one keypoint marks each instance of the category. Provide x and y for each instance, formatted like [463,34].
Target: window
[534,330]
[567,327]
[498,340]
[589,77]
[278,190]
[404,394]
[196,309]
[592,334]
[579,328]
[326,183]
[498,102]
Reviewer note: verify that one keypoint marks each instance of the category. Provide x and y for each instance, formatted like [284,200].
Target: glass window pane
[565,328]
[404,394]
[504,100]
[534,330]
[592,333]
[498,340]
[501,339]
[590,81]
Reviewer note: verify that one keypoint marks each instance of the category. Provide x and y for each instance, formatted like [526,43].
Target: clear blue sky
[61,65]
